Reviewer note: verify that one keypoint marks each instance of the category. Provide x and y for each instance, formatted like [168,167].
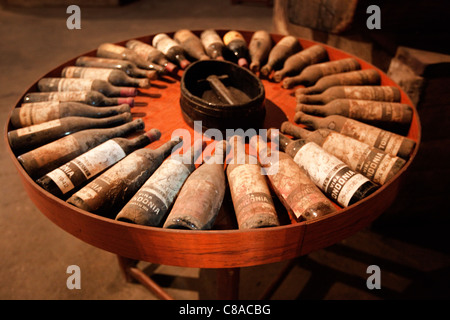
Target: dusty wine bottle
[353,78]
[191,44]
[76,172]
[391,143]
[252,201]
[283,49]
[126,66]
[311,74]
[374,93]
[151,54]
[38,112]
[113,51]
[331,175]
[113,76]
[295,63]
[301,197]
[363,110]
[113,188]
[39,161]
[152,201]
[213,44]
[25,139]
[171,49]
[93,98]
[259,49]
[74,84]
[207,186]
[236,43]
[373,163]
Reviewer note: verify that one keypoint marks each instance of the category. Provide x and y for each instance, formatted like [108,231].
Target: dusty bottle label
[38,112]
[359,109]
[75,84]
[88,73]
[371,162]
[142,50]
[114,49]
[183,35]
[38,127]
[68,96]
[370,93]
[296,188]
[249,194]
[157,194]
[329,173]
[88,164]
[384,140]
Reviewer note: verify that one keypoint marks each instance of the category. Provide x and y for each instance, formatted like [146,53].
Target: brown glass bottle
[259,49]
[282,50]
[235,42]
[295,63]
[113,188]
[301,197]
[197,205]
[74,84]
[171,49]
[373,163]
[25,139]
[311,74]
[150,205]
[387,141]
[362,110]
[340,183]
[113,51]
[93,98]
[39,161]
[351,78]
[78,171]
[374,93]
[250,194]
[191,44]
[38,112]
[213,44]
[151,54]
[128,67]
[113,76]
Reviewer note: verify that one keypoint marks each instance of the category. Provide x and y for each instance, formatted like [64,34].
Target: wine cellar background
[407,241]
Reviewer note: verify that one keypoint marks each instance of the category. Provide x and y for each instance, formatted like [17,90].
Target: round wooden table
[225,247]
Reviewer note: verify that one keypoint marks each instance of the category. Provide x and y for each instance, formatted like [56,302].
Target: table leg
[131,272]
[228,283]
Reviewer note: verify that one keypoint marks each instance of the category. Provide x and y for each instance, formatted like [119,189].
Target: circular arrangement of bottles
[346,140]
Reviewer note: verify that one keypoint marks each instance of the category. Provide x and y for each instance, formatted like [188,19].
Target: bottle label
[38,112]
[183,35]
[38,127]
[377,93]
[232,35]
[71,84]
[89,73]
[329,173]
[371,162]
[115,49]
[159,191]
[247,189]
[68,96]
[384,140]
[61,179]
[142,50]
[88,164]
[296,188]
[358,109]
[111,179]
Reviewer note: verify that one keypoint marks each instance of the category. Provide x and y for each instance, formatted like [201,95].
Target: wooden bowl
[217,114]
[218,248]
